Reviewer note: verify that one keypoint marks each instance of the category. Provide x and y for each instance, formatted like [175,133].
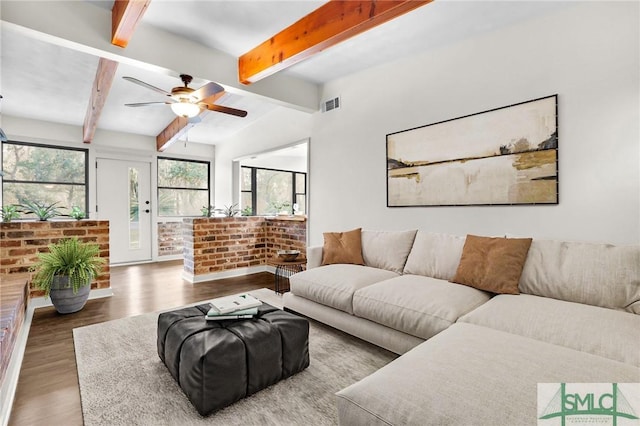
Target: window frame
[296,192]
[254,179]
[57,147]
[159,187]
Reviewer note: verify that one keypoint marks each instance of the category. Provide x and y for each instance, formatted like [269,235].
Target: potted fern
[66,271]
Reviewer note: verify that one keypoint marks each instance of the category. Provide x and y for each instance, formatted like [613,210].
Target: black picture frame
[502,156]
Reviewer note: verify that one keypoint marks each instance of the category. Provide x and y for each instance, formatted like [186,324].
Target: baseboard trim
[169,257]
[193,279]
[10,383]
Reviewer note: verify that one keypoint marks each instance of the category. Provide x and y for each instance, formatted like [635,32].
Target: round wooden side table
[284,270]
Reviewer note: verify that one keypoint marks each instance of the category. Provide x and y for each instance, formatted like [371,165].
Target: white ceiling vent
[331,104]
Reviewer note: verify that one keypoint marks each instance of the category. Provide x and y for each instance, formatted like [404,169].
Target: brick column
[169,238]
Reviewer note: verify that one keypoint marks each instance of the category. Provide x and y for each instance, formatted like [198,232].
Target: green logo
[588,403]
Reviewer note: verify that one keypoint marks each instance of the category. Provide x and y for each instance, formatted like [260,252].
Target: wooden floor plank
[48,391]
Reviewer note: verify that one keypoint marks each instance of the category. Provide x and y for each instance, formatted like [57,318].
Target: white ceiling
[47,82]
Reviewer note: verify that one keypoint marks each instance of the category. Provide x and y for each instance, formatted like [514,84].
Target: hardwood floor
[48,391]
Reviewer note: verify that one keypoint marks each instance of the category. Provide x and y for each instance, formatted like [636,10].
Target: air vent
[331,104]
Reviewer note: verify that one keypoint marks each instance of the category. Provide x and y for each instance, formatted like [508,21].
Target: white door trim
[119,243]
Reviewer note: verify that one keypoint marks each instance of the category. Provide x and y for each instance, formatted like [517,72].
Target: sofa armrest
[314,257]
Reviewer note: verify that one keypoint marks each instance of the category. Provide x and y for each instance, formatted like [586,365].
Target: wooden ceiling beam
[330,24]
[125,16]
[57,23]
[179,126]
[99,92]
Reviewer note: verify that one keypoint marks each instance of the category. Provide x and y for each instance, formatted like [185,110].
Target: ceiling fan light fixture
[185,109]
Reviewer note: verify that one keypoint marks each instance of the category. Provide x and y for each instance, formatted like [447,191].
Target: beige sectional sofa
[471,357]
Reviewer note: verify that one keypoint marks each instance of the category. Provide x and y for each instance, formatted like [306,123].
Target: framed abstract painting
[503,156]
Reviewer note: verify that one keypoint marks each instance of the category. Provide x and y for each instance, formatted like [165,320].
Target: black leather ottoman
[216,363]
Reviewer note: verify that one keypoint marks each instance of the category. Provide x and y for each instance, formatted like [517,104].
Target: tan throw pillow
[492,264]
[342,247]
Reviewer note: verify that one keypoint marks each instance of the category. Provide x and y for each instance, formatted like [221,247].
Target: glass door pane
[134,209]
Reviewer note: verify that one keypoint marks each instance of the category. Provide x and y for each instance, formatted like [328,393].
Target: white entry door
[124,199]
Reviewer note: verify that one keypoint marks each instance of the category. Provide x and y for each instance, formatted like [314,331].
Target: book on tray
[214,315]
[233,307]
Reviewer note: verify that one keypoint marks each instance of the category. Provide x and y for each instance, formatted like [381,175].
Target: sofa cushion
[435,255]
[605,332]
[334,285]
[387,249]
[342,247]
[471,375]
[492,264]
[416,305]
[595,274]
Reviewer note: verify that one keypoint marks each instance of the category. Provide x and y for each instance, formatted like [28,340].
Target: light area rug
[123,381]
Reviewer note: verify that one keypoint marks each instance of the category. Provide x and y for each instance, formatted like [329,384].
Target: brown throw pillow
[492,264]
[342,247]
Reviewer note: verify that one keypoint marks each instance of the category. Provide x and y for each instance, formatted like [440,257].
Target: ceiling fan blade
[139,104]
[224,109]
[207,90]
[147,85]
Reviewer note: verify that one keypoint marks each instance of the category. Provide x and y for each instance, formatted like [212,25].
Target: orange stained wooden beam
[179,126]
[125,16]
[99,92]
[331,23]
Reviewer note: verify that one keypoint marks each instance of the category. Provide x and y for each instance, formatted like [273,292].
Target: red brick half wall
[221,247]
[21,241]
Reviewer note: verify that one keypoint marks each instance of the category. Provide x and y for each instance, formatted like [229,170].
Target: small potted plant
[281,208]
[207,211]
[77,213]
[231,211]
[66,271]
[9,213]
[43,211]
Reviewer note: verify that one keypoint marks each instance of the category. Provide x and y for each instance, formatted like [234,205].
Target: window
[44,174]
[183,187]
[267,191]
[300,193]
[246,190]
[134,210]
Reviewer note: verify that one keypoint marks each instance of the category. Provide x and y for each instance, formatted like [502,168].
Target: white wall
[587,53]
[279,128]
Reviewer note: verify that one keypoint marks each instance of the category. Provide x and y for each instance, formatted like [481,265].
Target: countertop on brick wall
[289,218]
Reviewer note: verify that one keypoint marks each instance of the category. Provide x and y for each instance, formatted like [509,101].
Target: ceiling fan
[187,102]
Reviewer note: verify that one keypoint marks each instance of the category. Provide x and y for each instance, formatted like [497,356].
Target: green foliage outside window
[275,191]
[183,187]
[43,174]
